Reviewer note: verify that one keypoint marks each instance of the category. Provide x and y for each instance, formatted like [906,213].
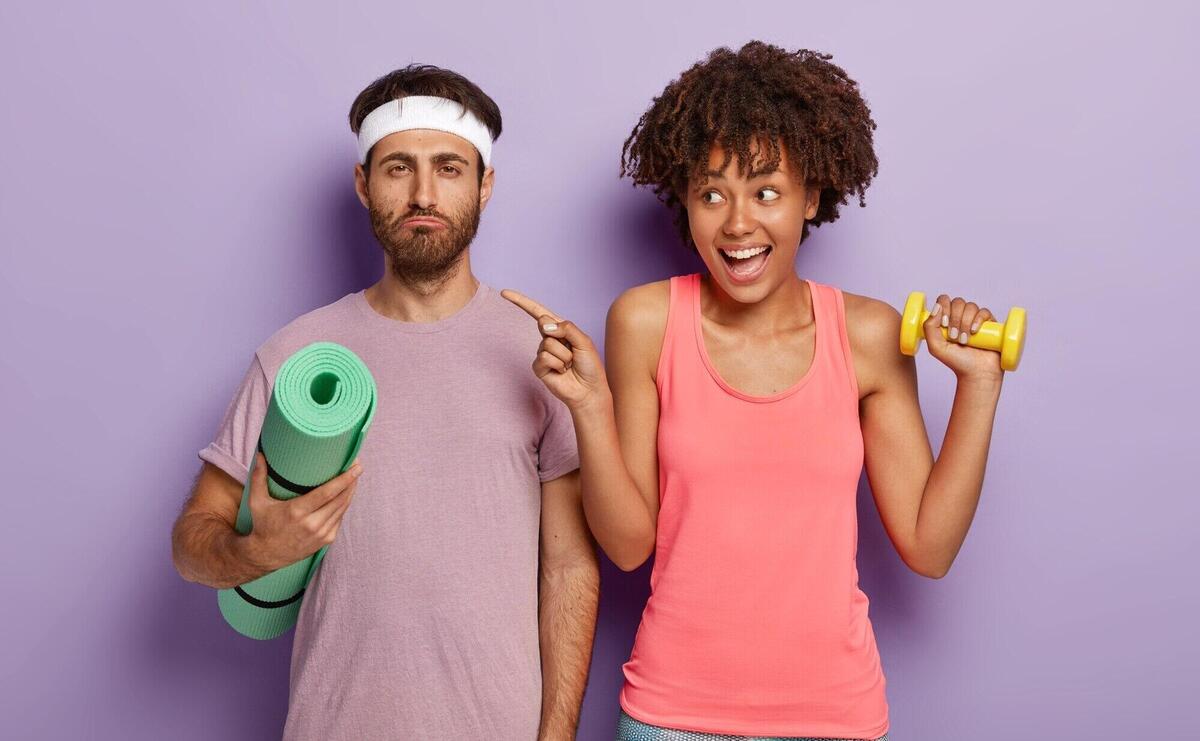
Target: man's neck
[406,301]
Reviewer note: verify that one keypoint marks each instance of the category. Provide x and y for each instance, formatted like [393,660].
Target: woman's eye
[711,196]
[768,194]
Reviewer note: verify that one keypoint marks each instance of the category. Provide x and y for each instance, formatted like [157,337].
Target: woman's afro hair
[759,96]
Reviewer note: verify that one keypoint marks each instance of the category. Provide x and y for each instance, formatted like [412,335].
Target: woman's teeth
[746,263]
[745,253]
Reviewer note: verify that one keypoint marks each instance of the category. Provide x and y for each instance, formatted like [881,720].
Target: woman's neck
[788,306]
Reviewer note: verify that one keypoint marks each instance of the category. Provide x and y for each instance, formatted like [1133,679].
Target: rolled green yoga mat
[317,419]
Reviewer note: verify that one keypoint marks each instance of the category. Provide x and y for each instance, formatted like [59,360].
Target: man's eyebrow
[403,158]
[443,157]
[407,158]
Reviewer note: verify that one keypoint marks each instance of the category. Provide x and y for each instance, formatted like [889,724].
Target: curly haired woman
[729,430]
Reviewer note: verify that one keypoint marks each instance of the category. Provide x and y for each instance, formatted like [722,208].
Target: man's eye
[396,168]
[711,196]
[768,194]
[449,170]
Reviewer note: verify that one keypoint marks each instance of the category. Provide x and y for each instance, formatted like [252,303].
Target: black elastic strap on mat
[294,488]
[268,605]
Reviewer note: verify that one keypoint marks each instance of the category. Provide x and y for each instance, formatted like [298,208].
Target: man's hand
[286,531]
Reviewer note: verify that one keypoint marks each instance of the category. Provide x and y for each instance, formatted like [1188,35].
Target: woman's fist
[961,319]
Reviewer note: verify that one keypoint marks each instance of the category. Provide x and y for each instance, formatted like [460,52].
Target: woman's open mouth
[745,263]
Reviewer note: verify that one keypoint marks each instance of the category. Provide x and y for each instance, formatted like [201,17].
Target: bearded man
[457,599]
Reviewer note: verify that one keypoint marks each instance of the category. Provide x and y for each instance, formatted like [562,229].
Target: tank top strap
[829,308]
[674,356]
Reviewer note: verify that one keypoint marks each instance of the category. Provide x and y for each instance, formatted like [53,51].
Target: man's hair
[759,94]
[426,79]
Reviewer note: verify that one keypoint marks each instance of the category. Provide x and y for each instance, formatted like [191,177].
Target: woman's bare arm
[926,506]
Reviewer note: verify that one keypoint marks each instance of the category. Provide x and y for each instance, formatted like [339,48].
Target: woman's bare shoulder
[642,308]
[637,321]
[870,318]
[873,327]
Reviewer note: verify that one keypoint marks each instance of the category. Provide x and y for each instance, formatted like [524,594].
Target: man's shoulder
[321,324]
[508,319]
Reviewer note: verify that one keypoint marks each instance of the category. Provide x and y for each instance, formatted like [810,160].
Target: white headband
[423,112]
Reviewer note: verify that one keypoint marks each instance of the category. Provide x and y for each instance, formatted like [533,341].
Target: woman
[729,430]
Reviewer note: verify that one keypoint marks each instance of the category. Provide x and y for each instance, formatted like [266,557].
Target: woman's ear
[813,195]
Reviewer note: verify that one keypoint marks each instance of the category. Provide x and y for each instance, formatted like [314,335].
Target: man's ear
[360,185]
[485,188]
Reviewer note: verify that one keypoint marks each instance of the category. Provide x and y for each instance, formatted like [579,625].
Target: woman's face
[747,228]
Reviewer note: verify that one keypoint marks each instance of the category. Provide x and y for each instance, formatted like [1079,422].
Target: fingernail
[945,320]
[962,339]
[974,327]
[954,333]
[355,470]
[937,309]
[551,327]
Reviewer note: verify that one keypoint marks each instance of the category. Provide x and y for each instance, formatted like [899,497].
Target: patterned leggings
[629,729]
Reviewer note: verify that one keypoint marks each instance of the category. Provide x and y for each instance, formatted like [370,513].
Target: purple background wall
[175,185]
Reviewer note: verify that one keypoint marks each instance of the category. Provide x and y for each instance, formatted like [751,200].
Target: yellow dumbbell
[1007,338]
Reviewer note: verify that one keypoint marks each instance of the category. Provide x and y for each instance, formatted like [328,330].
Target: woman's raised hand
[962,318]
[566,360]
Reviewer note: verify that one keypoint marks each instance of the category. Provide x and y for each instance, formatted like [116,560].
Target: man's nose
[424,192]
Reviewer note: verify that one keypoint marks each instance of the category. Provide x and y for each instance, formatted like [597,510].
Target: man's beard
[424,256]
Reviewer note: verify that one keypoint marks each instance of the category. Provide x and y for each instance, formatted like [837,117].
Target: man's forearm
[567,603]
[209,551]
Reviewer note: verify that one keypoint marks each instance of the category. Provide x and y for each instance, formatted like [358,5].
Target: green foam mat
[320,408]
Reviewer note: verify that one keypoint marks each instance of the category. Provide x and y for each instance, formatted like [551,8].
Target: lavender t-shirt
[422,622]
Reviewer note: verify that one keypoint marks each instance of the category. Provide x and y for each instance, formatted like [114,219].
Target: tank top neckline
[697,319]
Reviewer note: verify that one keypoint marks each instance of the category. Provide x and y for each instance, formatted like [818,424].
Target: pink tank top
[755,624]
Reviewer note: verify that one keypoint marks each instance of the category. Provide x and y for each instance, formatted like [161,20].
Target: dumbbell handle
[989,337]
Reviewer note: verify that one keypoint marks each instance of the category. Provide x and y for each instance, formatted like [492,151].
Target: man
[458,598]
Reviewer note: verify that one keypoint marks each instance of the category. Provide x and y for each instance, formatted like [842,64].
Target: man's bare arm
[568,595]
[208,549]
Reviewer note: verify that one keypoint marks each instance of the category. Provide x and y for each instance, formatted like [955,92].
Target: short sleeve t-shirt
[422,621]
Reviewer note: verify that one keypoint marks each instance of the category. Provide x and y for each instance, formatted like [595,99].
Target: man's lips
[423,221]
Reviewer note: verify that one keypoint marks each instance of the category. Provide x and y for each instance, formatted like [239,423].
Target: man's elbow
[183,556]
[576,576]
[179,556]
